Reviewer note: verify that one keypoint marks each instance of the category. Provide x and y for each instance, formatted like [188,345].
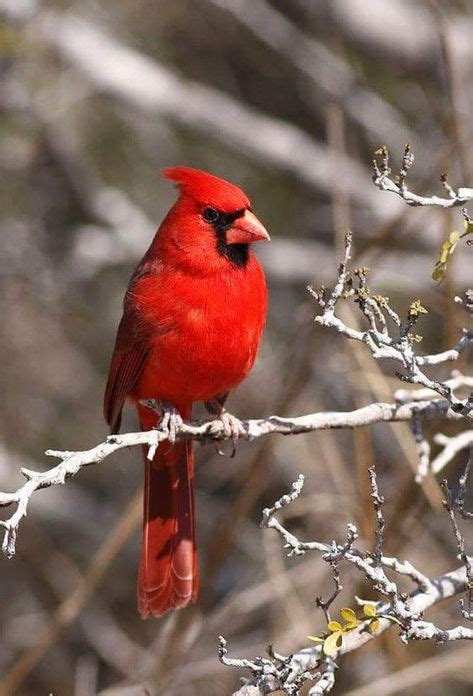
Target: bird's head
[212,213]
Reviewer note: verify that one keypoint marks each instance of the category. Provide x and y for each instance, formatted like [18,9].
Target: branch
[383,181]
[457,381]
[304,663]
[450,504]
[384,342]
[289,673]
[451,447]
[215,430]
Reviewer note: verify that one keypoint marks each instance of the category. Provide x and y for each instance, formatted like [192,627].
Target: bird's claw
[232,429]
[171,421]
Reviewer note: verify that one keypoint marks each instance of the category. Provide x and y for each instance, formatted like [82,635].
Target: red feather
[168,574]
[128,361]
[193,318]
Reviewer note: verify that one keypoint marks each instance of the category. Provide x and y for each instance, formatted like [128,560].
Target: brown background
[289,100]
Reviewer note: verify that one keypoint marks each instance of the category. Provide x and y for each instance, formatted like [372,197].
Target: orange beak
[247,229]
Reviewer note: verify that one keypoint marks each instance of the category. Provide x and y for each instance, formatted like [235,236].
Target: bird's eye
[210,214]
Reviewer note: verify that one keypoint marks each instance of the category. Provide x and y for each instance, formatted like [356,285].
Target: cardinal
[193,316]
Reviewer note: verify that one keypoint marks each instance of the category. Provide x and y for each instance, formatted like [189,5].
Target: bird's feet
[169,421]
[232,430]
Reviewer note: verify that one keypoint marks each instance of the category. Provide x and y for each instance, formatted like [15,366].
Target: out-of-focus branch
[18,11]
[333,76]
[428,671]
[69,608]
[286,260]
[72,462]
[143,83]
[383,30]
[383,180]
[451,446]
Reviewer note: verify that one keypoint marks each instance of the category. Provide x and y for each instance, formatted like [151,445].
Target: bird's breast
[211,345]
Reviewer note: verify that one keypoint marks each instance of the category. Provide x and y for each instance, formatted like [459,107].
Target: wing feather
[128,361]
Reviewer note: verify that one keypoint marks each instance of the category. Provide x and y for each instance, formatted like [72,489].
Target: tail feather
[168,575]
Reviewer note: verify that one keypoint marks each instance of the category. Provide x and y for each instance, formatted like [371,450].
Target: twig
[378,501]
[268,673]
[423,449]
[398,347]
[462,484]
[288,673]
[466,301]
[383,180]
[450,506]
[451,447]
[457,381]
[326,604]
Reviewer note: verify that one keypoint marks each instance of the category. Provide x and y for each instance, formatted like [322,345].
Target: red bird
[193,317]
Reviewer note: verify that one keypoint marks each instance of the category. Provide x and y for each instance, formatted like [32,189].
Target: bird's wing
[128,361]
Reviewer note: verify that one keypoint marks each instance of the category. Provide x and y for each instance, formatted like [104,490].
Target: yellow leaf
[334,626]
[369,610]
[348,614]
[333,643]
[454,237]
[444,253]
[439,271]
[316,639]
[374,625]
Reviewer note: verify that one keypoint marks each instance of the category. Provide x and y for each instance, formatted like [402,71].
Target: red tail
[168,575]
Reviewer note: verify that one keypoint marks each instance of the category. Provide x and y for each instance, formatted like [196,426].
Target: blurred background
[289,100]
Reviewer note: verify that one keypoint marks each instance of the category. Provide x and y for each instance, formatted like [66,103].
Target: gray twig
[289,673]
[451,505]
[378,501]
[397,345]
[383,180]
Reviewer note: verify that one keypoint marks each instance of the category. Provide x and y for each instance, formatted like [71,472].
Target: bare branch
[462,484]
[289,673]
[457,381]
[423,449]
[451,447]
[399,346]
[378,501]
[451,505]
[72,462]
[383,180]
